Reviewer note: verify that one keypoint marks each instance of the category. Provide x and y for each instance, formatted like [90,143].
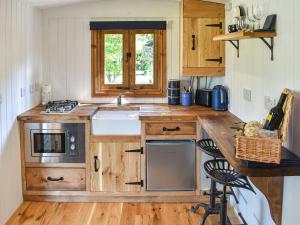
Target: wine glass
[250,17]
[258,13]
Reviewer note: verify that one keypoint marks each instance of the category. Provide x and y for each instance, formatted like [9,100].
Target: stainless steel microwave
[55,142]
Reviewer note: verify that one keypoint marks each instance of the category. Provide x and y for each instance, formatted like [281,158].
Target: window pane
[113,55]
[144,44]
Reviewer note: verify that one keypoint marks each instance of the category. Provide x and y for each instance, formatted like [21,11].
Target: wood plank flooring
[54,213]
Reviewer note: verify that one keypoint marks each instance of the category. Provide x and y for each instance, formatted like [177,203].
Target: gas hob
[60,107]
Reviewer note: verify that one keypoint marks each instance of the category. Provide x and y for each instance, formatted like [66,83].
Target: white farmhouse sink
[116,123]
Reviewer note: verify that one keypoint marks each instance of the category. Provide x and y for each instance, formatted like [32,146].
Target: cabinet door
[210,51]
[200,51]
[113,168]
[190,34]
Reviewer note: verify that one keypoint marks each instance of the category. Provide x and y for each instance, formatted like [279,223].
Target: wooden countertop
[216,124]
[218,128]
[148,112]
[82,112]
[175,113]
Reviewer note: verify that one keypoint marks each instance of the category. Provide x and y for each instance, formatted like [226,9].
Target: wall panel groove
[20,66]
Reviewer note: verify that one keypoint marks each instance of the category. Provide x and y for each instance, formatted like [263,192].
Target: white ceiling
[53,3]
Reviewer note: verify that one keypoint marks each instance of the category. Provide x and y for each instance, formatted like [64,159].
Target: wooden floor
[33,213]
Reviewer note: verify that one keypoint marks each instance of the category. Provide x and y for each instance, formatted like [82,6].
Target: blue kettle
[219,98]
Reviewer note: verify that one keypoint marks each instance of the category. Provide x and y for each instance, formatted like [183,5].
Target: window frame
[129,88]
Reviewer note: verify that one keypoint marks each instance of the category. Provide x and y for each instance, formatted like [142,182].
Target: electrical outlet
[247,94]
[31,88]
[23,92]
[269,102]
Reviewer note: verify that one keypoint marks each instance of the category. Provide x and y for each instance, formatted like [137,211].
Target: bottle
[276,114]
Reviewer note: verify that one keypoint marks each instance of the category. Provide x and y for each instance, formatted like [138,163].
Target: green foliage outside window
[114,57]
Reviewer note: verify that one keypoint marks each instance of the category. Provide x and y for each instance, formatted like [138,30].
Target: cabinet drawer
[178,128]
[55,179]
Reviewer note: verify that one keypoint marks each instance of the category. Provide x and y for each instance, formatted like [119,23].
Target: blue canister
[186,98]
[173,92]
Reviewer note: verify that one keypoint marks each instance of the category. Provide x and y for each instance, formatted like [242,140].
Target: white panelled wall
[68,39]
[20,67]
[255,71]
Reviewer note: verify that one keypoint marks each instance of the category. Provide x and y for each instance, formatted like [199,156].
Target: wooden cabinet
[116,166]
[201,55]
[55,179]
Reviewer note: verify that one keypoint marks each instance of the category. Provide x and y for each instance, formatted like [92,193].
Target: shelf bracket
[237,46]
[270,46]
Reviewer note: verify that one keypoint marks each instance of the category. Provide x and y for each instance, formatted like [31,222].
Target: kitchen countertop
[148,112]
[216,124]
[82,112]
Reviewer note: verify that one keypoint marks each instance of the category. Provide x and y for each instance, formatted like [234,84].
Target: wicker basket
[266,150]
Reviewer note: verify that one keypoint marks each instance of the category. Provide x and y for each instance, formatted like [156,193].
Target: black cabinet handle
[96,160]
[220,25]
[140,183]
[136,150]
[171,129]
[219,60]
[193,42]
[55,179]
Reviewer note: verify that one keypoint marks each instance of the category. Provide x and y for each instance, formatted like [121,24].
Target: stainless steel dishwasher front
[170,165]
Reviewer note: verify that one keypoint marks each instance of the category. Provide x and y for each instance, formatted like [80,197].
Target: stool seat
[220,171]
[209,147]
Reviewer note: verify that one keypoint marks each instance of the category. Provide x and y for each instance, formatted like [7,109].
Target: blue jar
[186,98]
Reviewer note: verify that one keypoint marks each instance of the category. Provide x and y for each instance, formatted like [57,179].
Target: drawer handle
[193,42]
[96,163]
[171,129]
[55,179]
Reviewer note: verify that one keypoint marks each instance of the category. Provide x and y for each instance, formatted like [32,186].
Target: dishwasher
[170,165]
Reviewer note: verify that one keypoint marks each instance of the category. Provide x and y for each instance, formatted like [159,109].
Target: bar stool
[219,170]
[209,147]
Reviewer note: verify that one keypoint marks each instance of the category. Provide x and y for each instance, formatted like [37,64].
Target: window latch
[128,56]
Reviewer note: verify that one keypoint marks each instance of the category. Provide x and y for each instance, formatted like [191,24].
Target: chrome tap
[119,100]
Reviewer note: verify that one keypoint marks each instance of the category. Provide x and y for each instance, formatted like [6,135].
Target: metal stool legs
[213,207]
[223,211]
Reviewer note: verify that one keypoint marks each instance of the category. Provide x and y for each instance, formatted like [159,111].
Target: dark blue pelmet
[128,25]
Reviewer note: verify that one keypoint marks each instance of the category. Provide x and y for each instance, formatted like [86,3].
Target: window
[130,62]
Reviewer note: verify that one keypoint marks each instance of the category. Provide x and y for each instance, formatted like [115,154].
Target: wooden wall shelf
[243,35]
